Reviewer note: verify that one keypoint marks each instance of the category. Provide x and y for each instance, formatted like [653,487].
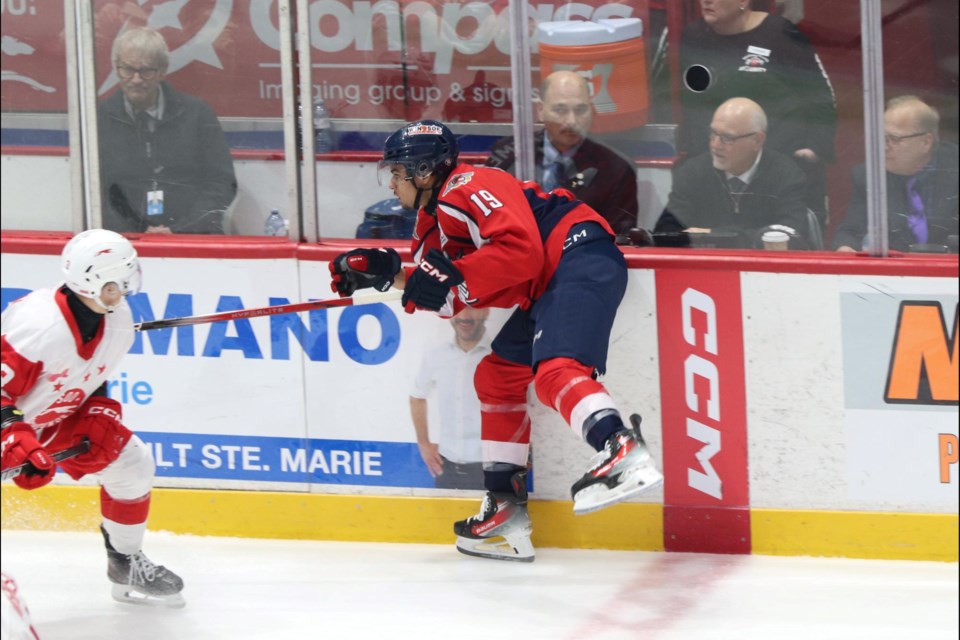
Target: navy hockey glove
[428,285]
[364,268]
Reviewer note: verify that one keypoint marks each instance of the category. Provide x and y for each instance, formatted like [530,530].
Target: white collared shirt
[747,175]
[156,111]
[446,377]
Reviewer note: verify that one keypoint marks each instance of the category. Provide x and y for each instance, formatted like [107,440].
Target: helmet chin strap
[430,206]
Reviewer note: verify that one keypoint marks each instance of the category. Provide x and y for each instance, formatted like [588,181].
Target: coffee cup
[776,241]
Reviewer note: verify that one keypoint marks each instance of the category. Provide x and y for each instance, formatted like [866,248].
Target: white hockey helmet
[96,257]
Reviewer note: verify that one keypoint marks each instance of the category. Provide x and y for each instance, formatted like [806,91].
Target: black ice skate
[502,528]
[137,580]
[622,470]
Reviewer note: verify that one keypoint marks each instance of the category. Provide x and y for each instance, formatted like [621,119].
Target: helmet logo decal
[103,251]
[457,181]
[424,129]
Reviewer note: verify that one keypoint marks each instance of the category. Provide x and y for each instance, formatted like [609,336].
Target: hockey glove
[363,268]
[428,285]
[100,420]
[19,446]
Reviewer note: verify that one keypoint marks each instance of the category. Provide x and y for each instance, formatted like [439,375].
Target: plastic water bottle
[275,224]
[325,140]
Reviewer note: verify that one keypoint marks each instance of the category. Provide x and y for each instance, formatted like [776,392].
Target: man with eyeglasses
[921,184]
[739,188]
[165,166]
[567,158]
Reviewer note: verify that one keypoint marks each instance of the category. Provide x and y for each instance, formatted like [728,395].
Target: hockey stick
[279,309]
[59,456]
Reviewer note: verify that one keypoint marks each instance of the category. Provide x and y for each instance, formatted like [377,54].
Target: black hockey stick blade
[59,456]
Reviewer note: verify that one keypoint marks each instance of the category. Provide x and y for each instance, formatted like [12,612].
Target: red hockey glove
[100,419]
[19,446]
[364,268]
[428,285]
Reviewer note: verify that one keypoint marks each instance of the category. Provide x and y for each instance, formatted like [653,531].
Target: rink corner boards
[428,520]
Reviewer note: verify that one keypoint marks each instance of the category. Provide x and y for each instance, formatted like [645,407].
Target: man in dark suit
[738,187]
[566,158]
[921,182]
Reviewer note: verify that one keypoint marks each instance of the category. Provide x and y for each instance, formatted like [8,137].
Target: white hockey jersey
[47,371]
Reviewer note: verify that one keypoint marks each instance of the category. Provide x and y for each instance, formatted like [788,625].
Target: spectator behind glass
[165,166]
[736,52]
[566,158]
[739,186]
[921,182]
[447,372]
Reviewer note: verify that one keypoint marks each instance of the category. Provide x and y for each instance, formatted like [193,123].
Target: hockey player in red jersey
[59,345]
[485,239]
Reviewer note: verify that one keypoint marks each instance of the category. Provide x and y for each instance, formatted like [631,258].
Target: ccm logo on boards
[701,390]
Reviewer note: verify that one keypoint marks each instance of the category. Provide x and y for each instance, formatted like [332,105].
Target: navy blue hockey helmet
[423,148]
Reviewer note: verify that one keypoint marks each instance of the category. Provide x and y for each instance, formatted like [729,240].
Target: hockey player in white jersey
[15,623]
[59,345]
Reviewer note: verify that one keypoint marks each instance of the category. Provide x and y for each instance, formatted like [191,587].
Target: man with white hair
[738,186]
[921,182]
[165,166]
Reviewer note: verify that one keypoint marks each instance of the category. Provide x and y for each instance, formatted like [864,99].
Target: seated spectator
[921,182]
[567,158]
[734,51]
[738,186]
[165,166]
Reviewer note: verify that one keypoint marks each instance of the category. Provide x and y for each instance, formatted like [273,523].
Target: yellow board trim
[855,534]
[634,526]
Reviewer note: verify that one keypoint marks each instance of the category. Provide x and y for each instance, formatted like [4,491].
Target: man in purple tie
[922,183]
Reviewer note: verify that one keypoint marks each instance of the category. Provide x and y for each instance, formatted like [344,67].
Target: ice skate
[622,470]
[137,580]
[502,528]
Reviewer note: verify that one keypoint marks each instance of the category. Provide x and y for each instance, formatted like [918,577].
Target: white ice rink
[239,588]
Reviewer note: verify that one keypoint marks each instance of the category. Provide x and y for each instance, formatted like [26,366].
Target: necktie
[145,122]
[917,217]
[736,185]
[553,176]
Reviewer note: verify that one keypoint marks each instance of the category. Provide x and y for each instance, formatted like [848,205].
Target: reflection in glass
[165,166]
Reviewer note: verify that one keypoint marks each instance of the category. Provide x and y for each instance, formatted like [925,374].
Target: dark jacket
[700,197]
[601,178]
[774,65]
[186,156]
[939,194]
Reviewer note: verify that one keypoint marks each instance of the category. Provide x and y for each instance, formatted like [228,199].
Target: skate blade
[497,549]
[599,496]
[127,595]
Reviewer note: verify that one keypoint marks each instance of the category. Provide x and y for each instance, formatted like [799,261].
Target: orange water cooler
[610,54]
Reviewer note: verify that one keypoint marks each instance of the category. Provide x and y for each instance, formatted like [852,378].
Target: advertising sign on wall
[384,59]
[702,388]
[901,385]
[301,399]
